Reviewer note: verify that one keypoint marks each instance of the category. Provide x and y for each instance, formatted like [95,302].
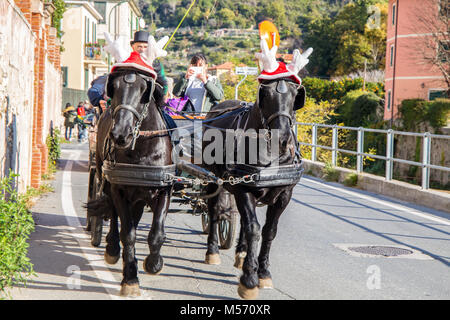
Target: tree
[352,51]
[226,17]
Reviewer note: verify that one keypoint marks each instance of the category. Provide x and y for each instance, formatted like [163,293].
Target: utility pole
[365,70]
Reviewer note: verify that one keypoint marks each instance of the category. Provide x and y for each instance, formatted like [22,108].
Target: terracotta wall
[31,50]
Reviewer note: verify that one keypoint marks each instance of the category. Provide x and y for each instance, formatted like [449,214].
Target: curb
[395,189]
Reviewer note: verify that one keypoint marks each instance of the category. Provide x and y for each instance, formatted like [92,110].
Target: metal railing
[389,157]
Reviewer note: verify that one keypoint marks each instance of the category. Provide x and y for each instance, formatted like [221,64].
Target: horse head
[280,92]
[278,100]
[131,94]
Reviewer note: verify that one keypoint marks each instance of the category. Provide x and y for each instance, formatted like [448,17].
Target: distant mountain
[289,15]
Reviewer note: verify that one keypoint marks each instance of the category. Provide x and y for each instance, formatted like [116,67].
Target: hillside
[331,27]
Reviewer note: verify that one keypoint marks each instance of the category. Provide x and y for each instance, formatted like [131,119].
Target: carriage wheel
[205,222]
[227,223]
[95,221]
[227,230]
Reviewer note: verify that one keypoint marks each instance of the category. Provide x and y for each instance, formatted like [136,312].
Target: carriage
[133,175]
[188,192]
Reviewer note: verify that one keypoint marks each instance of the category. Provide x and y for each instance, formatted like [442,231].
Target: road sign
[253,71]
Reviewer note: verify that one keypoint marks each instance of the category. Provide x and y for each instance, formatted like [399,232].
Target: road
[309,258]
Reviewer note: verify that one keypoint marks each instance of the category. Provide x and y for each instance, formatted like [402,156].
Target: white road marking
[382,202]
[96,260]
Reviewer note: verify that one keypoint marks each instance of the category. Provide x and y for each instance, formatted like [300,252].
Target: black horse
[274,109]
[131,167]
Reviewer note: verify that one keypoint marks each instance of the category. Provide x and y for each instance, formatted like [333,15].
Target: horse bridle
[281,88]
[139,116]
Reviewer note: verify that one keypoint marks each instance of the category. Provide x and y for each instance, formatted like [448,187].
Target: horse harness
[160,176]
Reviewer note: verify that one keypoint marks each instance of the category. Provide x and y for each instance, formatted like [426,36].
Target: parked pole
[426,161]
[314,142]
[237,86]
[360,151]
[389,154]
[334,145]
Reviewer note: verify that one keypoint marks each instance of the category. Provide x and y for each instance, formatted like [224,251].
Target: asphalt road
[309,257]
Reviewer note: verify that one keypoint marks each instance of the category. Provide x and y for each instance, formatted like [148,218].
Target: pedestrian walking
[81,126]
[70,115]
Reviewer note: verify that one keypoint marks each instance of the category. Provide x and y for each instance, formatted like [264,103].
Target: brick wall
[43,81]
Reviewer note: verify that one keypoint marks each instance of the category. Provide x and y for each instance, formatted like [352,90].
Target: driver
[139,44]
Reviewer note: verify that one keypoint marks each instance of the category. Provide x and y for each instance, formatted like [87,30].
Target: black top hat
[140,36]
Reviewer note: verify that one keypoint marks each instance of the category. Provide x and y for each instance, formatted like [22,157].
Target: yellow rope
[192,4]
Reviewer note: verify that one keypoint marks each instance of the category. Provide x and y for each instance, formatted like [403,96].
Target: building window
[86,79]
[94,36]
[436,94]
[394,7]
[444,7]
[443,51]
[391,58]
[101,8]
[64,71]
[389,97]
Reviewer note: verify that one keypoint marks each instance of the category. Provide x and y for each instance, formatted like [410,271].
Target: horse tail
[101,207]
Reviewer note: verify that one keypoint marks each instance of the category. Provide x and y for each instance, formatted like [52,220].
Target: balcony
[93,51]
[95,55]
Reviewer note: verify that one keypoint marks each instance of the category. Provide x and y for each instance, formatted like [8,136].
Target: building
[84,24]
[414,31]
[82,54]
[30,88]
[227,67]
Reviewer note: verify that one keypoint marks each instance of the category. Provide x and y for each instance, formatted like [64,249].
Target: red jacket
[81,111]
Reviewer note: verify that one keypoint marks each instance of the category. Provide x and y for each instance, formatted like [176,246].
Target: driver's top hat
[140,36]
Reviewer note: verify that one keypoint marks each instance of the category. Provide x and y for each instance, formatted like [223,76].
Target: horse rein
[139,116]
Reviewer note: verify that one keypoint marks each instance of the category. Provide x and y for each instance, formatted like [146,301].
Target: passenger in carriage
[202,89]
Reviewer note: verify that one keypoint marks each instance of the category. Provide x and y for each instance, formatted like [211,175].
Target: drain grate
[381,251]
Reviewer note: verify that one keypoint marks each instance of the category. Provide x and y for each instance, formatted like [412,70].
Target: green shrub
[53,143]
[439,113]
[330,173]
[329,90]
[360,109]
[415,112]
[351,180]
[16,224]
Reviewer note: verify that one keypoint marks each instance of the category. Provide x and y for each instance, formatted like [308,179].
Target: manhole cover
[381,251]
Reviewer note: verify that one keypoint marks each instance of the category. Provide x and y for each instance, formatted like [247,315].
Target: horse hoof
[246,293]
[265,283]
[213,258]
[152,269]
[239,259]
[111,259]
[130,290]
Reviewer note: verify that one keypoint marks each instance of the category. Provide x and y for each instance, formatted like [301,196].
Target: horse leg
[112,250]
[212,253]
[154,263]
[269,233]
[130,281]
[241,249]
[248,285]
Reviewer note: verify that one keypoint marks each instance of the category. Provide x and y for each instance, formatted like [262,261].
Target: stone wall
[30,88]
[16,93]
[405,148]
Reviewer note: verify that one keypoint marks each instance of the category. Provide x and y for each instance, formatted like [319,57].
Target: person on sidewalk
[81,126]
[70,115]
